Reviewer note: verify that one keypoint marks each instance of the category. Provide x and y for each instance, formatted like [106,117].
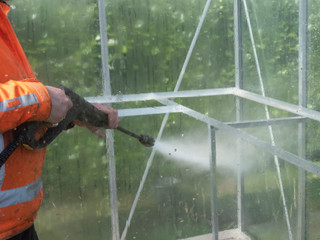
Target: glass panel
[226,181]
[265,216]
[76,196]
[312,202]
[221,108]
[312,185]
[149,41]
[313,67]
[62,41]
[175,202]
[212,62]
[275,31]
[312,209]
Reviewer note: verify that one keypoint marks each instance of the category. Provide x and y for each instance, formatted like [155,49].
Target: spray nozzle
[146,140]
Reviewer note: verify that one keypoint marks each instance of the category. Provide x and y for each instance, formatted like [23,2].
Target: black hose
[10,148]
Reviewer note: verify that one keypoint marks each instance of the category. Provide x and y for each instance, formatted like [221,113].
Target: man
[23,98]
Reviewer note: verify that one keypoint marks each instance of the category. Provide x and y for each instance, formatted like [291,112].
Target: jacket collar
[5,8]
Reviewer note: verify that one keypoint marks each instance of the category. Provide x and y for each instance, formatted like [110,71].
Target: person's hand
[60,105]
[113,120]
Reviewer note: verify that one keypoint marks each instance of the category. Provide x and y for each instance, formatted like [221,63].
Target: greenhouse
[227,88]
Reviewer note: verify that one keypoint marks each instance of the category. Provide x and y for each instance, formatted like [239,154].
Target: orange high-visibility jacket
[22,98]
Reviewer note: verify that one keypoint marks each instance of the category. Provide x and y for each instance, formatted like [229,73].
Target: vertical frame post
[238,44]
[213,182]
[106,83]
[303,55]
[239,108]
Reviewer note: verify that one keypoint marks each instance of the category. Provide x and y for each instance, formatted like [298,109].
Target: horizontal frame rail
[161,95]
[148,111]
[266,122]
[176,109]
[302,111]
[292,108]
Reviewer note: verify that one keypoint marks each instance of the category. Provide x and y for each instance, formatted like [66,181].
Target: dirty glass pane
[221,108]
[175,202]
[275,31]
[312,202]
[312,206]
[266,215]
[76,195]
[226,181]
[312,182]
[313,58]
[62,41]
[149,41]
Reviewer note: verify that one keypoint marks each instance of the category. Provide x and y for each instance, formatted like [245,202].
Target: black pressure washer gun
[82,110]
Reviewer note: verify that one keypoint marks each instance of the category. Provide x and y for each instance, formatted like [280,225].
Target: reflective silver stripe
[21,194]
[18,102]
[3,167]
[17,195]
[2,170]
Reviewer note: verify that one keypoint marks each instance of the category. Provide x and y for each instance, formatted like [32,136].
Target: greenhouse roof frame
[170,106]
[158,96]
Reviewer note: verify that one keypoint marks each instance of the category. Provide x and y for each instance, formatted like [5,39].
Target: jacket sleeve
[21,101]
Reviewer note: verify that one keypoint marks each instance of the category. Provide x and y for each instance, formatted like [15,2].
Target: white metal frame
[169,106]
